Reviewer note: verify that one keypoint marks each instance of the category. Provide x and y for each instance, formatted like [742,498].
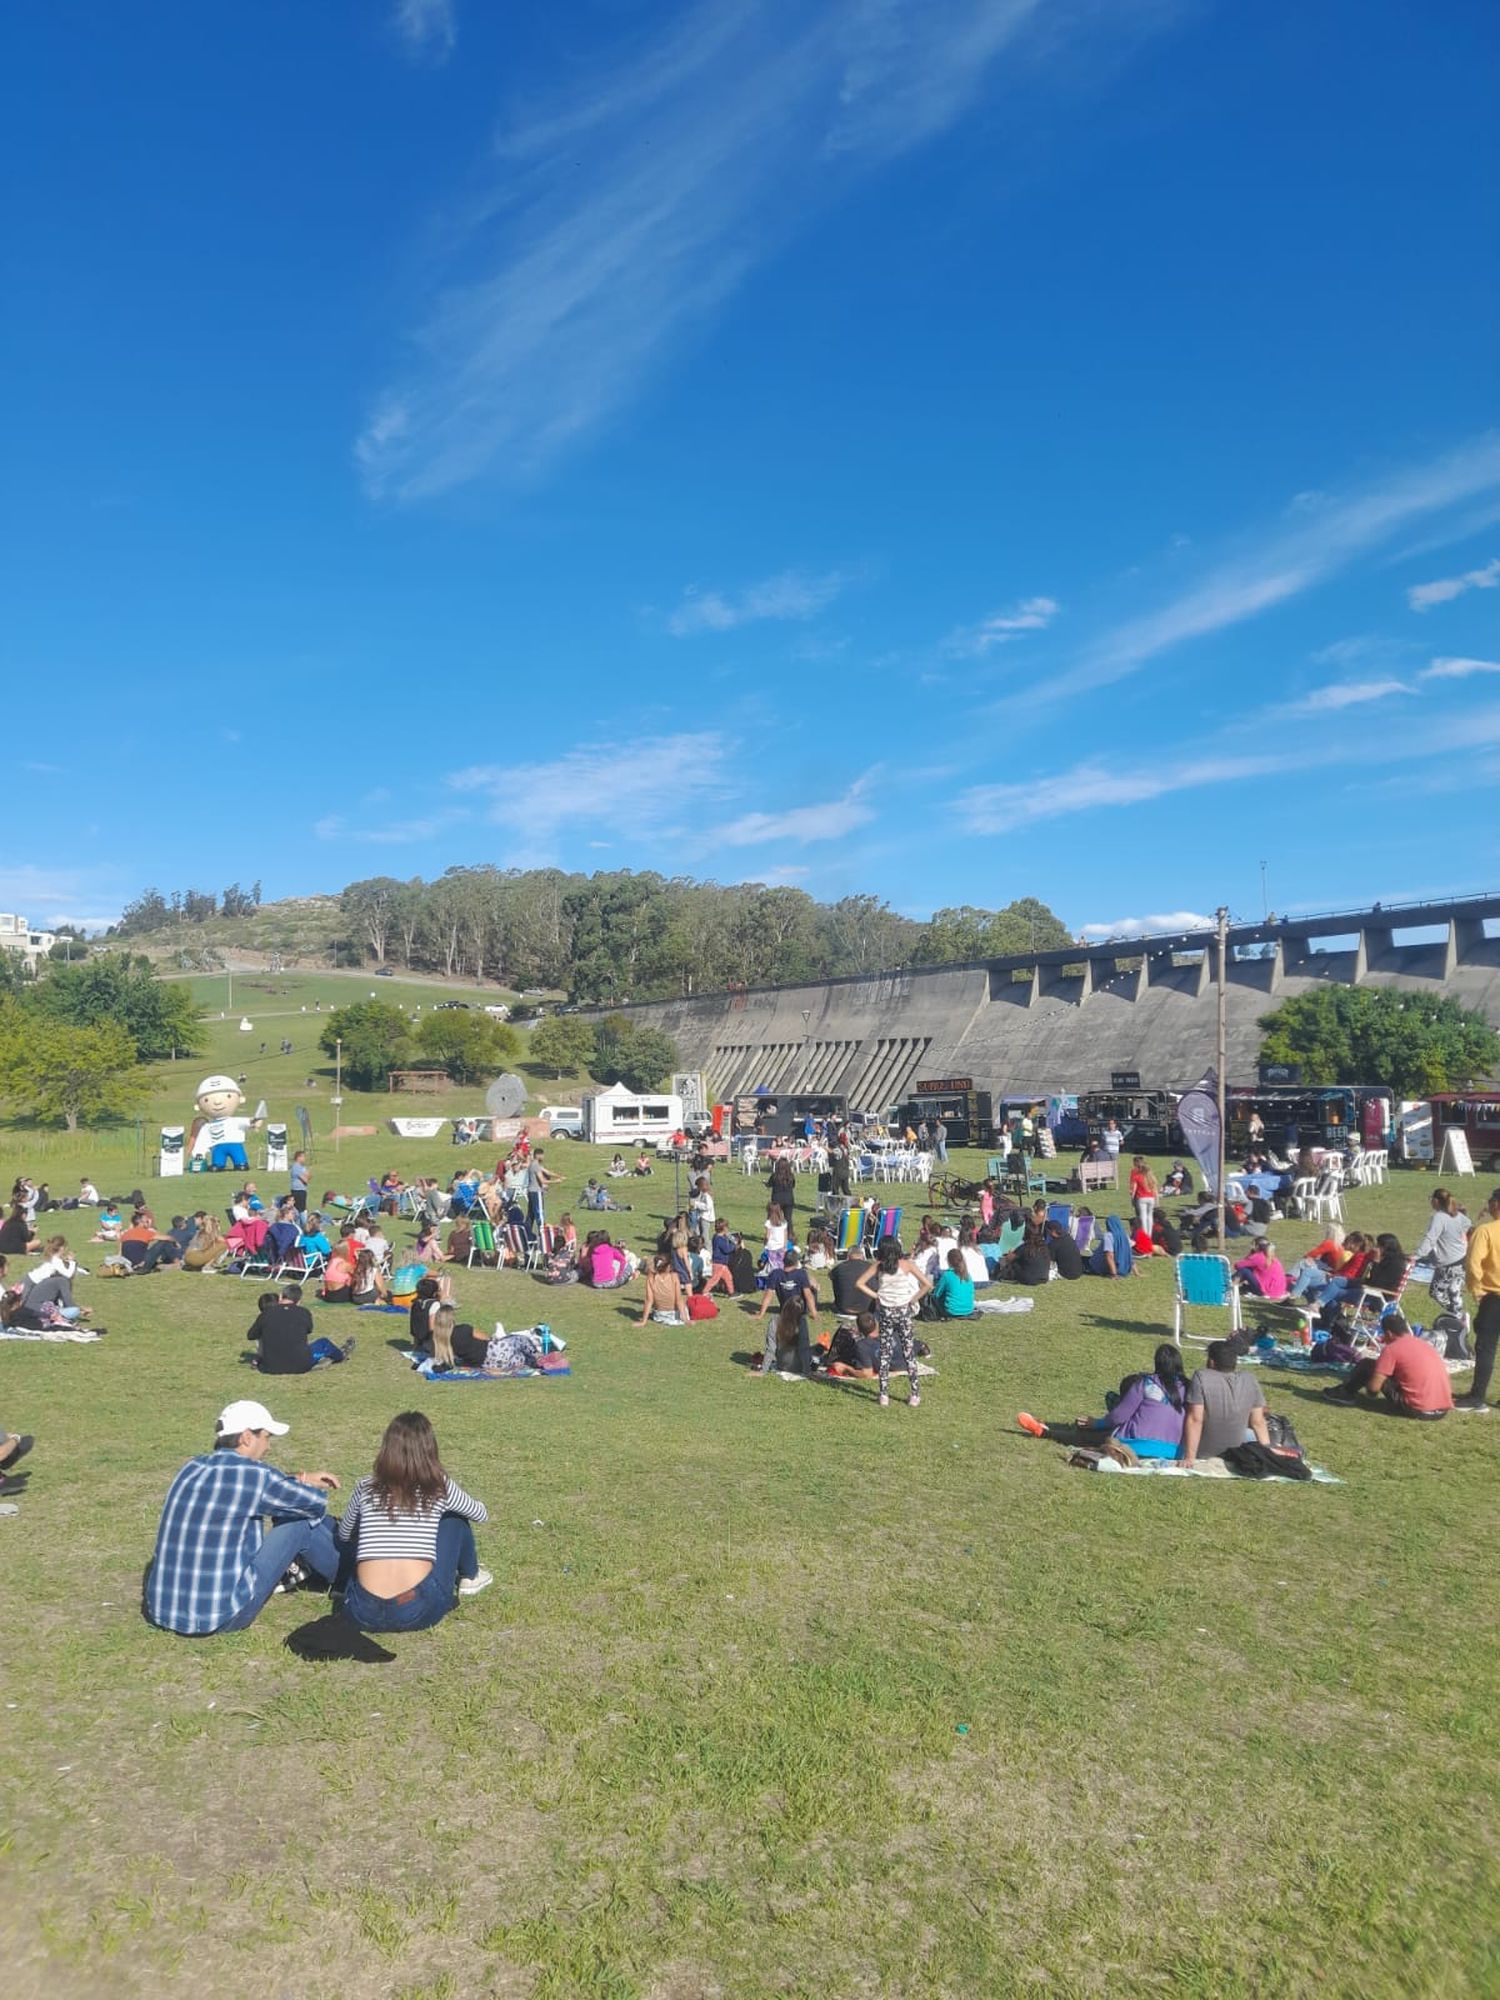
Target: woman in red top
[1143,1192]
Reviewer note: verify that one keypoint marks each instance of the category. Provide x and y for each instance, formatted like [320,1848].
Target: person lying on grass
[1407,1377]
[854,1351]
[454,1342]
[411,1529]
[216,1564]
[282,1334]
[1148,1414]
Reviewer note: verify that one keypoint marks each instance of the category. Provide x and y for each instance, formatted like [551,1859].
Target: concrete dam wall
[1066,1019]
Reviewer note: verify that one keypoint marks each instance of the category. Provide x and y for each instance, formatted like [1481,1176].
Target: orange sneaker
[1033,1426]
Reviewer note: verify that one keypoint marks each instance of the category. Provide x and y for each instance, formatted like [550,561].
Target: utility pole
[1222,918]
[338,1099]
[1265,901]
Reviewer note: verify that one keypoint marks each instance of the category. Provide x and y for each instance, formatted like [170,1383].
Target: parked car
[384,972]
[448,1006]
[564,1121]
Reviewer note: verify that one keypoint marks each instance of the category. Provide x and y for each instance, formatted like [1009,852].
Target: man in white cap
[216,1562]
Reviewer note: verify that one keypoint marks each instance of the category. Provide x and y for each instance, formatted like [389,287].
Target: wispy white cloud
[1315,539]
[1032,614]
[791,595]
[1458,669]
[644,786]
[830,819]
[621,219]
[1135,927]
[1345,694]
[392,833]
[429,28]
[1089,785]
[1422,596]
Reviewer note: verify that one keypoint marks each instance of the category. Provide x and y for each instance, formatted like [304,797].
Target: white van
[564,1121]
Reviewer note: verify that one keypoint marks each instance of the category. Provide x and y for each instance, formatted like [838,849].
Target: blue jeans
[325,1350]
[433,1597]
[286,1542]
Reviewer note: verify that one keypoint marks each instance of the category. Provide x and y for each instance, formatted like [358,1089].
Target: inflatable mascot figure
[217,1133]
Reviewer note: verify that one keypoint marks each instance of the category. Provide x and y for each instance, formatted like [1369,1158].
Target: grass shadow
[1157,1329]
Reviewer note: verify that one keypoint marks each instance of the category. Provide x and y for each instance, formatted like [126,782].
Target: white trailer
[619,1117]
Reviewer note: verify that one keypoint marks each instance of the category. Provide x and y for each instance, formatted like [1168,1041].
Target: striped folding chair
[887,1223]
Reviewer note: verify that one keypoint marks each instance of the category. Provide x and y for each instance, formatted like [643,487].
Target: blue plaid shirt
[210,1534]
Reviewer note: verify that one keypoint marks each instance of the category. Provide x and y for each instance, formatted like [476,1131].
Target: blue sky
[952,448]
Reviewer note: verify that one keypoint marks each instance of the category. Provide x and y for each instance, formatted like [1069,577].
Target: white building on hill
[18,936]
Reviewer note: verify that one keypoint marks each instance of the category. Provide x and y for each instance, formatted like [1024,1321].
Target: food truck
[1475,1113]
[1147,1119]
[968,1113]
[1306,1114]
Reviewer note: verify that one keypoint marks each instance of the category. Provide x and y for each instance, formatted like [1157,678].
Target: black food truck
[1147,1119]
[968,1113]
[781,1114]
[1308,1114]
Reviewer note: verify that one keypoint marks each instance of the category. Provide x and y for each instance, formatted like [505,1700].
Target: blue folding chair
[1204,1280]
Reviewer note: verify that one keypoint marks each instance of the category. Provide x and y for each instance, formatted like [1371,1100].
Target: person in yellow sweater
[1482,1269]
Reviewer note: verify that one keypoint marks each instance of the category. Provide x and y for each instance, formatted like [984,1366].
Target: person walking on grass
[1482,1269]
[896,1285]
[216,1564]
[411,1528]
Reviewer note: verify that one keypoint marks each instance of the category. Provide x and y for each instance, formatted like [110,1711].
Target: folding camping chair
[850,1231]
[1384,1298]
[525,1251]
[1082,1228]
[482,1244]
[1204,1280]
[887,1223]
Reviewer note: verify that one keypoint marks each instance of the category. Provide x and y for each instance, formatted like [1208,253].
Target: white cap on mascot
[219,1086]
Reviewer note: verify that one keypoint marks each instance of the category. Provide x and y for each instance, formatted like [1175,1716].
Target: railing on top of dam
[1378,918]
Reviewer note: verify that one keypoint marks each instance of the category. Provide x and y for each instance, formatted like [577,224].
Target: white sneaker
[470,1586]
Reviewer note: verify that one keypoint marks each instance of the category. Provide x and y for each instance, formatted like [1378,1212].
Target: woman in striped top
[409,1524]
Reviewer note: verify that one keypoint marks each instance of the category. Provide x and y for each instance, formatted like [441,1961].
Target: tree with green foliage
[1415,1042]
[968,933]
[376,1039]
[562,1045]
[51,1069]
[472,1047]
[161,1017]
[640,1058]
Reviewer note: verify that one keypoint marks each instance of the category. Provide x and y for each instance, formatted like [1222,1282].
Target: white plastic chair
[1325,1204]
[1304,1194]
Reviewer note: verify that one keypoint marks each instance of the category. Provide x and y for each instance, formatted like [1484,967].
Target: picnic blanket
[1209,1468]
[430,1372]
[1003,1305]
[76,1334]
[1297,1360]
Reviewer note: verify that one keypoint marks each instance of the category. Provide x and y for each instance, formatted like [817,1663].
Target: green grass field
[776,1693]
